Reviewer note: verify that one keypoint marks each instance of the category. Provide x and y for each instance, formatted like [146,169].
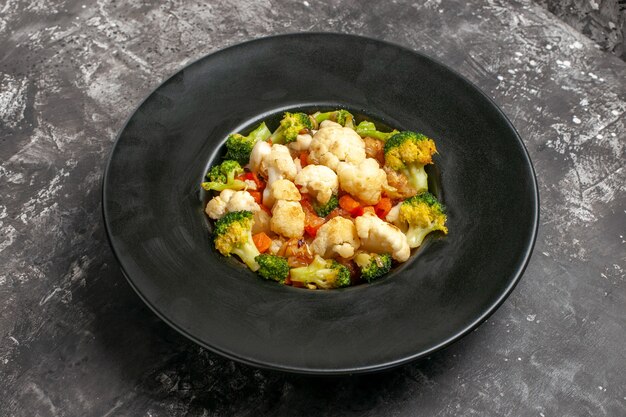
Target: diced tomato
[262,242]
[311,229]
[257,195]
[306,203]
[383,207]
[359,211]
[312,222]
[350,205]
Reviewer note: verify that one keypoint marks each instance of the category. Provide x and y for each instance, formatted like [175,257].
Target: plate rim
[493,307]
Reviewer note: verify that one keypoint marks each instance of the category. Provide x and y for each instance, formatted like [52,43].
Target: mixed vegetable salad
[322,202]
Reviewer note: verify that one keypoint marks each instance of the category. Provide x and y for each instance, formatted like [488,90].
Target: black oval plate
[154,216]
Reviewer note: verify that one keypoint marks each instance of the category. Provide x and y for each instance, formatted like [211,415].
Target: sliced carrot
[262,242]
[383,207]
[350,205]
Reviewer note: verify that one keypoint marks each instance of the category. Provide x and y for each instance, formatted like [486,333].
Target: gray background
[76,341]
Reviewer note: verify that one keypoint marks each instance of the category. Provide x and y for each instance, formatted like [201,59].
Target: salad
[322,202]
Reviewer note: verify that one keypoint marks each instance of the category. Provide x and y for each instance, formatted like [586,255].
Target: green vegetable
[324,273]
[421,214]
[343,117]
[233,236]
[222,177]
[272,267]
[373,266]
[368,129]
[290,127]
[239,147]
[323,210]
[408,152]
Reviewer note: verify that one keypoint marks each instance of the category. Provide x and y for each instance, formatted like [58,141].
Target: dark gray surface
[603,21]
[76,341]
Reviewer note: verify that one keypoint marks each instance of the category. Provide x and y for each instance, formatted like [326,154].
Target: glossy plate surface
[154,216]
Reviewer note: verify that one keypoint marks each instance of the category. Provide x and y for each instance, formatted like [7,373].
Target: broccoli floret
[368,129]
[408,152]
[239,147]
[273,267]
[222,177]
[323,273]
[343,117]
[290,126]
[233,235]
[323,210]
[373,265]
[421,214]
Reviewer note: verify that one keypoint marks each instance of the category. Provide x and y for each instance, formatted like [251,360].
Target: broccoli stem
[368,129]
[247,252]
[415,235]
[260,133]
[236,185]
[416,174]
[316,273]
[278,136]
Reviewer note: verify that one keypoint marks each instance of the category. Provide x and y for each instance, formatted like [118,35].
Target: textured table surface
[76,341]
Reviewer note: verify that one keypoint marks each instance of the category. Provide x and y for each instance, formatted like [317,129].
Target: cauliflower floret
[334,143]
[288,219]
[250,185]
[298,164]
[364,181]
[260,152]
[381,237]
[279,164]
[319,181]
[394,214]
[302,143]
[280,190]
[230,200]
[337,237]
[261,222]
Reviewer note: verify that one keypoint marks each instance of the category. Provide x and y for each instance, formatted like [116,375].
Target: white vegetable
[381,237]
[279,164]
[319,181]
[302,143]
[287,219]
[261,222]
[276,245]
[333,143]
[260,152]
[336,237]
[280,190]
[394,213]
[229,201]
[364,181]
